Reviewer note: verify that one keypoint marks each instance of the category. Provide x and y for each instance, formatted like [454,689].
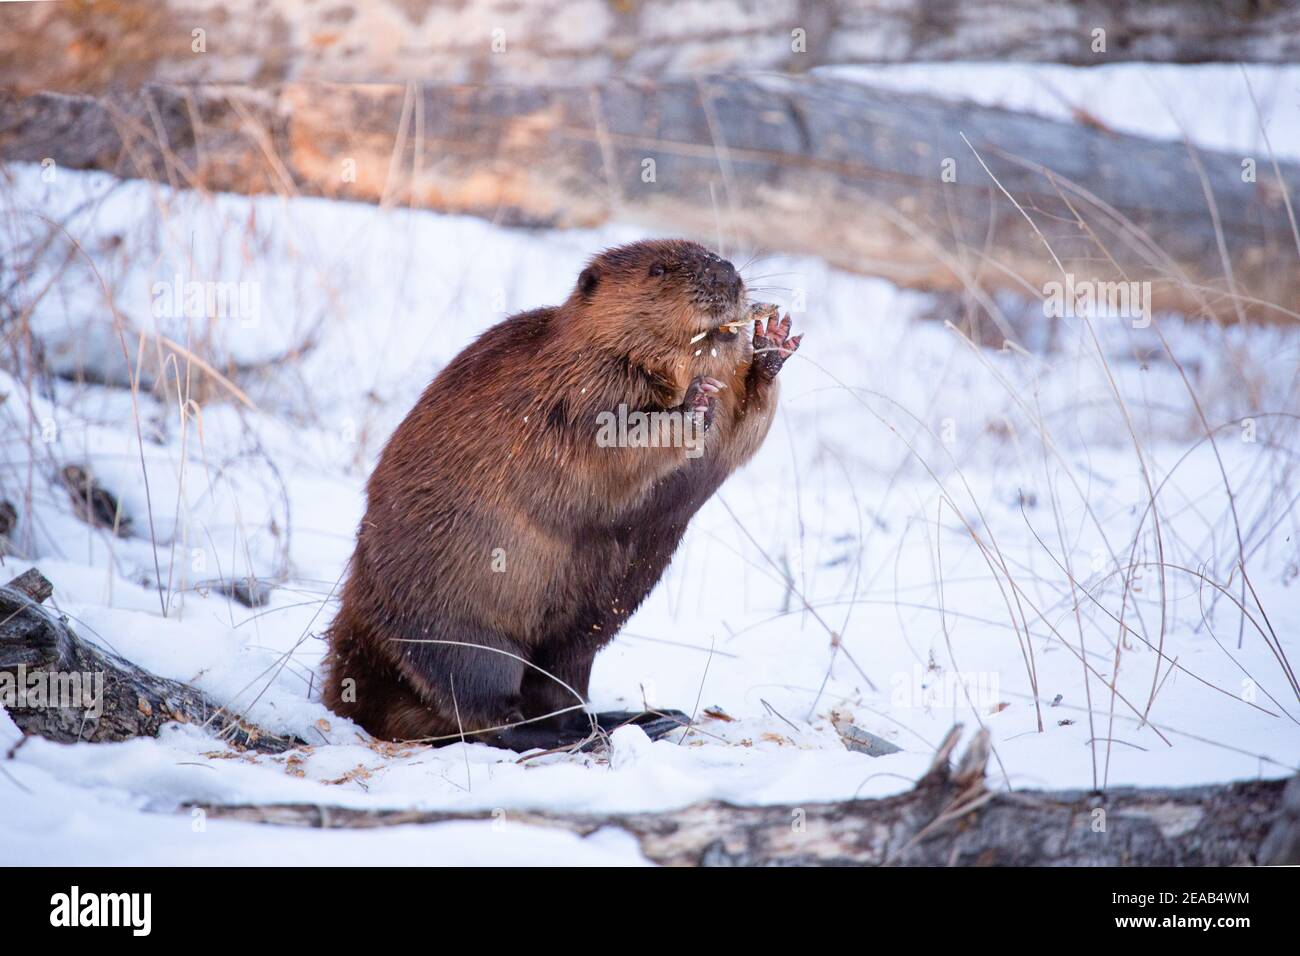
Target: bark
[848,173]
[88,45]
[949,819]
[36,643]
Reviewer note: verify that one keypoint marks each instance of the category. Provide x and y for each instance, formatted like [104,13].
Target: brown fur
[500,452]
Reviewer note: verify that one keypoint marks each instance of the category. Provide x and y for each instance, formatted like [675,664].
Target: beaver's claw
[773,344]
[701,399]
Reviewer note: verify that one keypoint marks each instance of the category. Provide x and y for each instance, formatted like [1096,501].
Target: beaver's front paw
[702,400]
[773,344]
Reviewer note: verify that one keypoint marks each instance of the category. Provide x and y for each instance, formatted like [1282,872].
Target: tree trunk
[73,691]
[942,822]
[880,182]
[86,46]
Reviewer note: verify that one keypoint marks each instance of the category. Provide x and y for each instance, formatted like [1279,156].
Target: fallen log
[55,685]
[948,819]
[87,45]
[929,194]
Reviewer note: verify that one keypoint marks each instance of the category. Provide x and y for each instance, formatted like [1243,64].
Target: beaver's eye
[657,269]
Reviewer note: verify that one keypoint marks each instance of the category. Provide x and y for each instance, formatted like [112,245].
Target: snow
[923,497]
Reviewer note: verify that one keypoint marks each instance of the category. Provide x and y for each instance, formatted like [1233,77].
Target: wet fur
[500,452]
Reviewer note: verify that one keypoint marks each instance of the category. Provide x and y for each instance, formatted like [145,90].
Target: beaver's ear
[587,281]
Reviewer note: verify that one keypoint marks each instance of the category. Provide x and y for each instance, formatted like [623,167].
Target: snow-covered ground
[922,510]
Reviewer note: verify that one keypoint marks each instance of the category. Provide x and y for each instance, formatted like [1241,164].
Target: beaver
[504,542]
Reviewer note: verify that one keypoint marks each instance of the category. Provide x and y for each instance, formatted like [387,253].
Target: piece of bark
[848,173]
[114,699]
[8,521]
[1282,845]
[33,584]
[88,45]
[93,503]
[249,592]
[949,819]
[858,740]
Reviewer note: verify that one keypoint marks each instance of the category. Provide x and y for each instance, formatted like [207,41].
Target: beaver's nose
[721,277]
